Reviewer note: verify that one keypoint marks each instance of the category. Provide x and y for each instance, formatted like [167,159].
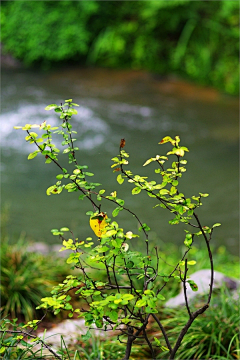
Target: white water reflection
[93,130]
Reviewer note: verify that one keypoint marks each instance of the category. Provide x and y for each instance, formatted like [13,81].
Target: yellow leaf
[98,224]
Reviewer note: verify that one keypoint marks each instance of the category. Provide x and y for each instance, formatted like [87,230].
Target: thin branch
[114,274]
[149,344]
[129,277]
[185,329]
[210,257]
[185,289]
[174,270]
[156,271]
[163,332]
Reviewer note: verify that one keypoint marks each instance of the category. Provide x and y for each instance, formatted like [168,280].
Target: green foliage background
[197,40]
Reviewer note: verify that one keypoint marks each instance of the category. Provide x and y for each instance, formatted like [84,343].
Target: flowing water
[114,105]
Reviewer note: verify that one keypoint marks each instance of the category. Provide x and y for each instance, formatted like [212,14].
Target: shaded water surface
[114,105]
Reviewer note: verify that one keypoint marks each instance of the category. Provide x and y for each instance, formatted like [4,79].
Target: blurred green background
[197,40]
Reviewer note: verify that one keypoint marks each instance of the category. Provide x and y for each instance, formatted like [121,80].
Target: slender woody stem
[163,331]
[185,289]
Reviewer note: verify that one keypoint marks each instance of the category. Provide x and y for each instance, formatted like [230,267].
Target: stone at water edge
[202,279]
[44,249]
[71,330]
[38,247]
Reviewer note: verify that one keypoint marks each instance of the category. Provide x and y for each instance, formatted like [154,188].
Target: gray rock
[42,248]
[202,279]
[55,249]
[38,247]
[70,330]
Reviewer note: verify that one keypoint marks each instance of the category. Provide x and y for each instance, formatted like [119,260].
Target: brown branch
[163,332]
[185,289]
[114,274]
[185,329]
[149,344]
[210,258]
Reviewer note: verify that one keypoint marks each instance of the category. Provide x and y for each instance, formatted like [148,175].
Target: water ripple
[92,130]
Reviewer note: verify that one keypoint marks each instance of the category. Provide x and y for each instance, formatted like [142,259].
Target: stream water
[114,105]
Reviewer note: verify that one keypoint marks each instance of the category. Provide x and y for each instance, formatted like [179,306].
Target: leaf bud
[122,143]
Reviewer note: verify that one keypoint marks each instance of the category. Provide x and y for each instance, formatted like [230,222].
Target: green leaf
[50,189]
[72,112]
[188,240]
[145,227]
[115,159]
[120,202]
[51,107]
[141,302]
[193,285]
[87,336]
[2,349]
[117,243]
[65,151]
[64,229]
[48,161]
[59,177]
[167,139]
[151,195]
[160,297]
[179,152]
[110,233]
[73,258]
[69,100]
[215,225]
[191,262]
[120,179]
[149,161]
[136,190]
[103,249]
[33,155]
[116,211]
[164,192]
[203,195]
[113,316]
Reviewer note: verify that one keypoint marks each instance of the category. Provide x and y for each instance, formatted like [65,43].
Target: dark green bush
[195,39]
[47,31]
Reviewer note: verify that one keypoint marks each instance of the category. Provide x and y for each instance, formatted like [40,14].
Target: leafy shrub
[131,293]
